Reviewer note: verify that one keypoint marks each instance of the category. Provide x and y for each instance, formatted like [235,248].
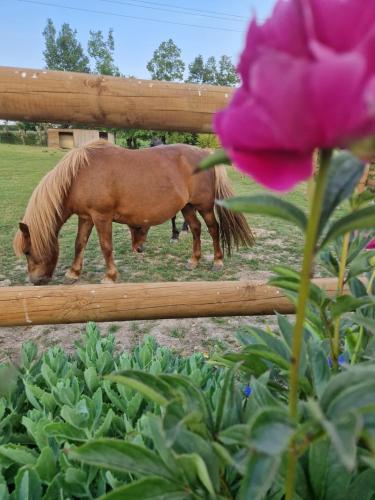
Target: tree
[196,70]
[63,51]
[166,63]
[226,74]
[102,51]
[210,71]
[201,72]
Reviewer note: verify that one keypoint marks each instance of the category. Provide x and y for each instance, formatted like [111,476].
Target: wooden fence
[35,305]
[64,97]
[61,97]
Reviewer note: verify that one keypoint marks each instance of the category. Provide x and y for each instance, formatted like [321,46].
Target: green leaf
[357,288]
[46,465]
[219,157]
[362,487]
[345,171]
[150,386]
[236,434]
[248,336]
[195,398]
[28,485]
[104,428]
[260,473]
[17,454]
[352,377]
[265,204]
[149,488]
[266,354]
[121,456]
[355,397]
[91,378]
[4,494]
[65,431]
[329,478]
[347,303]
[198,468]
[39,398]
[270,431]
[226,391]
[361,219]
[319,366]
[344,432]
[361,264]
[367,323]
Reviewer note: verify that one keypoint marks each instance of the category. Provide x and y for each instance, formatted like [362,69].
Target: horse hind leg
[104,230]
[83,234]
[195,227]
[175,231]
[213,228]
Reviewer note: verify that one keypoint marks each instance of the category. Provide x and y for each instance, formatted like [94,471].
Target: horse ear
[24,228]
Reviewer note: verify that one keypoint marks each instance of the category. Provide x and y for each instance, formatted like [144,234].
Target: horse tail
[234,229]
[46,204]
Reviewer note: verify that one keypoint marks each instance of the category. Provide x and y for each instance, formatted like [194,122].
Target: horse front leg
[85,226]
[104,230]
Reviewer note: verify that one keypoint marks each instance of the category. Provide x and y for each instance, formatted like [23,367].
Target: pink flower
[308,80]
[371,245]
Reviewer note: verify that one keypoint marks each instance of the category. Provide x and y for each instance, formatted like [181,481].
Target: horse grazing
[102,183]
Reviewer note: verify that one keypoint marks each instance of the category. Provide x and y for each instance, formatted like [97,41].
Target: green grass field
[21,167]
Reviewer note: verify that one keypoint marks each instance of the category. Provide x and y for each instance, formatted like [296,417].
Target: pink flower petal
[279,171]
[342,24]
[282,32]
[371,245]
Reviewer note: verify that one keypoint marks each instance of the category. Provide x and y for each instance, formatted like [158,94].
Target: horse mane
[45,206]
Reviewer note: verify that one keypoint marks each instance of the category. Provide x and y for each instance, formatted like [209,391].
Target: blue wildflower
[342,360]
[247,390]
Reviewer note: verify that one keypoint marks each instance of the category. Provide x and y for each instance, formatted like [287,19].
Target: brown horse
[102,183]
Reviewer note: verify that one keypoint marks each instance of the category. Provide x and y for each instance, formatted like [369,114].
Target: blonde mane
[45,206]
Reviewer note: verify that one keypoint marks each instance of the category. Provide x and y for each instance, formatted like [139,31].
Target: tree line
[64,52]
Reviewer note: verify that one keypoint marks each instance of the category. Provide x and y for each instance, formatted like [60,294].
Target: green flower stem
[340,287]
[308,258]
[361,329]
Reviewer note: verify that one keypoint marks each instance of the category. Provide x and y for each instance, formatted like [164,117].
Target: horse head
[40,268]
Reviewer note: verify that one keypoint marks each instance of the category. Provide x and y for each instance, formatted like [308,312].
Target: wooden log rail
[33,305]
[65,97]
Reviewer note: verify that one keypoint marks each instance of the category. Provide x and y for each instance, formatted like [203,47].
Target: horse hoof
[72,275]
[107,280]
[174,240]
[191,264]
[218,266]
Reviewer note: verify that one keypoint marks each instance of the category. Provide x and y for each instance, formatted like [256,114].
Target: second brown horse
[102,183]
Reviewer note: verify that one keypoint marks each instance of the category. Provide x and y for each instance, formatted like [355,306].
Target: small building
[68,138]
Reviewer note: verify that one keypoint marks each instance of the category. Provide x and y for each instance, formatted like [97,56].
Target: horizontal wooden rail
[65,97]
[33,305]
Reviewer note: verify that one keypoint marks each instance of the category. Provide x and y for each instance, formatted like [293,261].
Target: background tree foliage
[166,63]
[63,51]
[221,73]
[102,51]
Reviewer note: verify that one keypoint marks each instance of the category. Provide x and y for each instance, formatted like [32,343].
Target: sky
[219,27]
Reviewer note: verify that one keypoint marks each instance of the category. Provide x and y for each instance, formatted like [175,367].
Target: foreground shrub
[56,401]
